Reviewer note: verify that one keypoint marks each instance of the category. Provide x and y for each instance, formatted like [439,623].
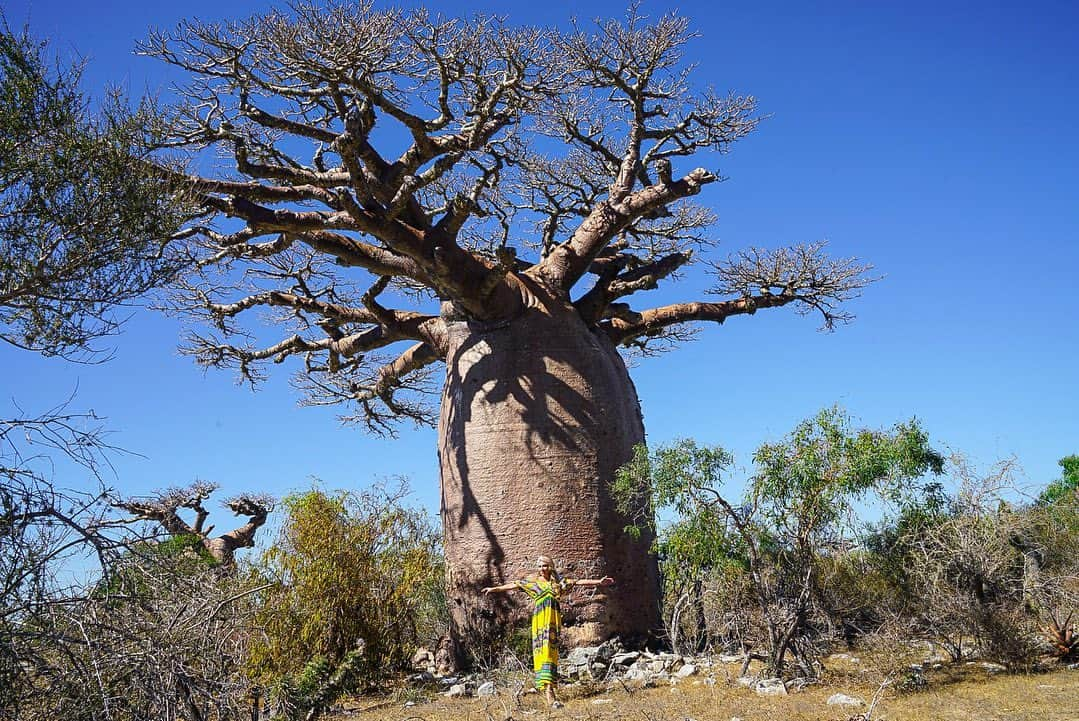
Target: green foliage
[311,691]
[349,568]
[185,546]
[806,483]
[775,546]
[83,224]
[893,541]
[679,479]
[1067,486]
[182,555]
[671,478]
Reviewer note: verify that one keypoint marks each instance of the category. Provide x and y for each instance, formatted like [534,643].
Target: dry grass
[961,693]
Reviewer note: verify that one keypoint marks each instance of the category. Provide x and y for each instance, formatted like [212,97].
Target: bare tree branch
[524,159]
[764,279]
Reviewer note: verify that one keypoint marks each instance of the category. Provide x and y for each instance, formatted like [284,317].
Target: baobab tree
[424,203]
[164,508]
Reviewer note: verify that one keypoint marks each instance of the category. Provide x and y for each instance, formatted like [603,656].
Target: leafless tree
[972,574]
[163,639]
[356,165]
[95,623]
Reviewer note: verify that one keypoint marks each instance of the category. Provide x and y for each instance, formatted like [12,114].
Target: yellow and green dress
[546,625]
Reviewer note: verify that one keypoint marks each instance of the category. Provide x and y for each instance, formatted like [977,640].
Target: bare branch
[764,279]
[568,262]
[377,391]
[802,273]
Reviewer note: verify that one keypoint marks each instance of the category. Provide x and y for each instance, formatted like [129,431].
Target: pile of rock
[439,662]
[611,661]
[604,663]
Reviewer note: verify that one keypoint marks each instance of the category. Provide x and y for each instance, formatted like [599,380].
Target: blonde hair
[554,571]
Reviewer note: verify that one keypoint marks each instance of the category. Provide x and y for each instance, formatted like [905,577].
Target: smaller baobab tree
[165,508]
[398,191]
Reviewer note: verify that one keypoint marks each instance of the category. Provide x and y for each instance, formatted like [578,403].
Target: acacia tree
[530,181]
[83,229]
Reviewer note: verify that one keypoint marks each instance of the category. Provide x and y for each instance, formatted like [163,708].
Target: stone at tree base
[422,659]
[770,687]
[421,678]
[446,657]
[840,699]
[580,656]
[487,689]
[457,690]
[686,670]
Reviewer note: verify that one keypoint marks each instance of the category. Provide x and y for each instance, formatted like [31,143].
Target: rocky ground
[608,682]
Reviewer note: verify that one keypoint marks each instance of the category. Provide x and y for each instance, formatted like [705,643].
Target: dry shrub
[164,639]
[347,570]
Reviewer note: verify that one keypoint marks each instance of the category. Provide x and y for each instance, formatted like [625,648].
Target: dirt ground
[968,693]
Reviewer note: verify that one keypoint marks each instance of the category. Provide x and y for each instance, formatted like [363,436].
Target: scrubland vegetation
[785,571]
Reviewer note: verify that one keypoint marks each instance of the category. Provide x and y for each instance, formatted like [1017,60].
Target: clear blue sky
[937,141]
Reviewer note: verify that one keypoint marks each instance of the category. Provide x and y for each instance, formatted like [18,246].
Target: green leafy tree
[679,479]
[797,508]
[84,222]
[1065,487]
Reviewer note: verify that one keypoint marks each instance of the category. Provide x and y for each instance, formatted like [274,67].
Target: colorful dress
[546,624]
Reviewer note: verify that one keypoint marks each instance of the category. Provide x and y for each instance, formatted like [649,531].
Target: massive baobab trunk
[537,414]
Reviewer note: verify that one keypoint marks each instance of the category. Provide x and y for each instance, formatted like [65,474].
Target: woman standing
[545,590]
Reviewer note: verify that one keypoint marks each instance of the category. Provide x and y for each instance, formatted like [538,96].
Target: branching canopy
[340,151]
[165,509]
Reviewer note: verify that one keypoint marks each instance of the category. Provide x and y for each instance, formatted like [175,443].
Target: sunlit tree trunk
[537,414]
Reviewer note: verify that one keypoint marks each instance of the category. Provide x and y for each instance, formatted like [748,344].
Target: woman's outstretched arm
[499,589]
[594,582]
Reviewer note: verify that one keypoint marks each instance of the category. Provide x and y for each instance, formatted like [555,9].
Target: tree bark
[537,414]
